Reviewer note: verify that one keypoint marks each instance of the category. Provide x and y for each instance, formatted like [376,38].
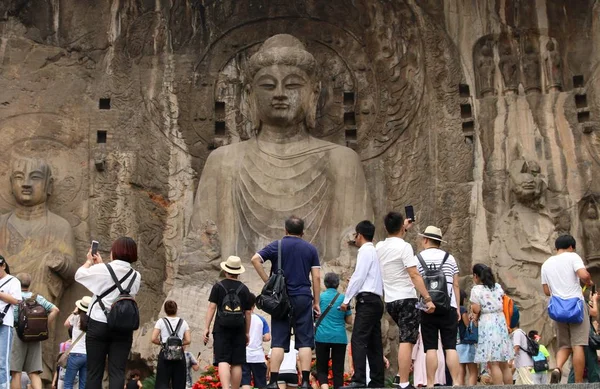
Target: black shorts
[407,317]
[446,324]
[256,371]
[290,379]
[230,347]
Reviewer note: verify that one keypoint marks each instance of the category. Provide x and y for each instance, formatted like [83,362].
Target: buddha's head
[31,181]
[283,90]
[527,180]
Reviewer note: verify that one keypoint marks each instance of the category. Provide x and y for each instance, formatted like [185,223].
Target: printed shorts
[407,317]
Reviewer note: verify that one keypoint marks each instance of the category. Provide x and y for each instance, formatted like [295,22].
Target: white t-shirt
[13,288]
[395,256]
[436,256]
[522,359]
[254,350]
[79,348]
[98,280]
[165,332]
[288,365]
[559,272]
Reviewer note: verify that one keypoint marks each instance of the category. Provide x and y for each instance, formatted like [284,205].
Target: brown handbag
[64,358]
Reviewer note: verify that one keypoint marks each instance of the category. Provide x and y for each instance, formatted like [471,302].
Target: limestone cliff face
[126,99]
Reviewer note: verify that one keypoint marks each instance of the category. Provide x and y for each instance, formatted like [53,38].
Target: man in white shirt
[401,281]
[561,275]
[443,323]
[523,363]
[366,285]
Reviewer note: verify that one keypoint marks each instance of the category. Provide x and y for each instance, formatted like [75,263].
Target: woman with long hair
[77,362]
[493,346]
[102,341]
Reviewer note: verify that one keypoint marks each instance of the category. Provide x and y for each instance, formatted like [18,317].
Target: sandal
[555,376]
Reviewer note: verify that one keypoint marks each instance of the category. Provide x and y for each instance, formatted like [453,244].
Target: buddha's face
[527,182]
[29,181]
[283,94]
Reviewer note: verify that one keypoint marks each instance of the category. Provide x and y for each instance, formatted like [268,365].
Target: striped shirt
[434,256]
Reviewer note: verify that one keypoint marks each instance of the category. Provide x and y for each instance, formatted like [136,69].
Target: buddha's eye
[294,85]
[267,86]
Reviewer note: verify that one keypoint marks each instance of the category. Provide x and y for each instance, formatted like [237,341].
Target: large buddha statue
[249,188]
[37,241]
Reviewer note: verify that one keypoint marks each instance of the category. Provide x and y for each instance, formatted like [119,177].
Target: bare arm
[187,338]
[156,336]
[257,263]
[52,315]
[476,308]
[196,367]
[456,286]
[585,276]
[546,290]
[248,315]
[68,322]
[417,281]
[315,274]
[594,305]
[348,319]
[7,298]
[465,319]
[266,337]
[212,308]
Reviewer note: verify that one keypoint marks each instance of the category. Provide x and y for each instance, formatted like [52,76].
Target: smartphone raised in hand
[410,213]
[95,247]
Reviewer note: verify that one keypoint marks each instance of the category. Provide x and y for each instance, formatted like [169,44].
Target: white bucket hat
[432,232]
[233,265]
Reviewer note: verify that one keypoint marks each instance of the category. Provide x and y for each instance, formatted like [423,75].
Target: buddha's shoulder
[57,220]
[342,152]
[234,150]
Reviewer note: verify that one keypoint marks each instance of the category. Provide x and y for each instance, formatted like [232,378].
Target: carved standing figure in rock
[509,65]
[591,234]
[552,66]
[249,188]
[37,241]
[531,66]
[521,243]
[486,71]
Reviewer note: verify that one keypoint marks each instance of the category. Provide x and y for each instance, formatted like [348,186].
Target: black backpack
[436,284]
[273,298]
[533,348]
[231,313]
[172,348]
[123,315]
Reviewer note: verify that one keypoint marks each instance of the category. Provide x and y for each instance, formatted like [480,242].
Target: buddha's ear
[311,115]
[249,105]
[49,185]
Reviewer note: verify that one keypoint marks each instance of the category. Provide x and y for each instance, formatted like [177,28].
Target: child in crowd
[134,381]
[255,368]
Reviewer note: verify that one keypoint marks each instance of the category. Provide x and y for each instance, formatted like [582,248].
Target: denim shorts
[466,353]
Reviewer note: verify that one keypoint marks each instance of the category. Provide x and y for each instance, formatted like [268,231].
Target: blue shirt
[298,257]
[332,328]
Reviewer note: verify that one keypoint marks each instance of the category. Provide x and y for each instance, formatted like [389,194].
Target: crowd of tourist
[443,338]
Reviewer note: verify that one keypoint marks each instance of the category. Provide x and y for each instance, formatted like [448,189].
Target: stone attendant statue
[487,71]
[249,188]
[522,242]
[509,65]
[552,67]
[531,67]
[37,241]
[591,234]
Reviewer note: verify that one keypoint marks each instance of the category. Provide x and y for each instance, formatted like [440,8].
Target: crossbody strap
[67,351]
[279,255]
[7,307]
[320,319]
[111,289]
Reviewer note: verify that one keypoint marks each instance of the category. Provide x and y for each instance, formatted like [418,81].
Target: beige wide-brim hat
[432,232]
[84,303]
[233,265]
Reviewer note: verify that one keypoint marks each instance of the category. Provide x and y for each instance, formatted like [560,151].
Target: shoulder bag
[64,358]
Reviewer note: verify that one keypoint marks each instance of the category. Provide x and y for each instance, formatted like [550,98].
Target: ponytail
[485,275]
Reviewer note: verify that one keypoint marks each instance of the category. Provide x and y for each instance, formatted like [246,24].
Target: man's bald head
[25,279]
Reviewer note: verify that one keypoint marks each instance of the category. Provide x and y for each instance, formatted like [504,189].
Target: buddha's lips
[280,105]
